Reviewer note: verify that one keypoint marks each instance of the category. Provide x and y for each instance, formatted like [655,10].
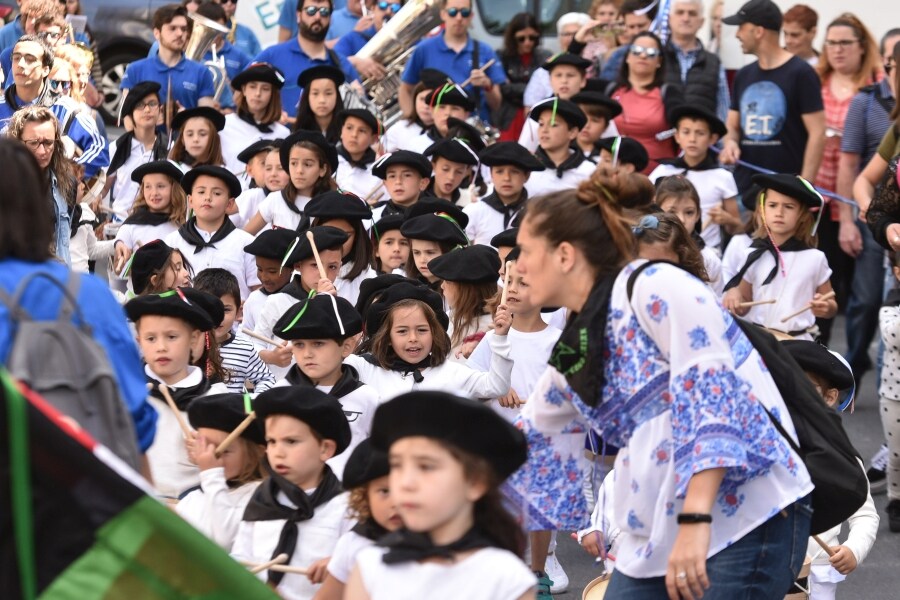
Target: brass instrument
[203,34]
[392,47]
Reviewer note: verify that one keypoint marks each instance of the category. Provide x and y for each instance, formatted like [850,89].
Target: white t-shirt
[348,289]
[214,509]
[252,307]
[713,265]
[227,254]
[138,235]
[735,255]
[399,134]
[358,180]
[238,135]
[276,212]
[545,182]
[248,205]
[344,557]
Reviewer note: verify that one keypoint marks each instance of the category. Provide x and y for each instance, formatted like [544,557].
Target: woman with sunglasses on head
[239,35]
[645,98]
[521,56]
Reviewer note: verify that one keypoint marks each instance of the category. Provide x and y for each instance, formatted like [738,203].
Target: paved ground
[877,579]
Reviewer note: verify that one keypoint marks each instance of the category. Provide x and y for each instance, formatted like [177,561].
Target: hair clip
[646,223]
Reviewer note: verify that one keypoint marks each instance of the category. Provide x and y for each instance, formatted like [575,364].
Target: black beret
[434,228]
[750,197]
[326,238]
[793,186]
[469,264]
[402,157]
[404,291]
[221,173]
[137,93]
[147,260]
[451,94]
[510,153]
[506,238]
[314,137]
[453,149]
[433,205]
[363,115]
[165,167]
[565,109]
[271,243]
[598,99]
[817,359]
[259,72]
[369,289]
[433,78]
[566,58]
[385,224]
[694,111]
[257,147]
[459,129]
[320,411]
[321,72]
[469,425]
[631,151]
[206,112]
[513,254]
[364,465]
[187,304]
[224,412]
[316,318]
[338,205]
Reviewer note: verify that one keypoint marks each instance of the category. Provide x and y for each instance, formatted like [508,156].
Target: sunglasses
[323,11]
[227,1]
[641,51]
[394,6]
[527,38]
[60,86]
[465,13]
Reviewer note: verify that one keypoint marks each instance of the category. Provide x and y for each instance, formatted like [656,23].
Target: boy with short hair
[323,331]
[300,510]
[247,372]
[696,129]
[600,111]
[559,122]
[625,154]
[268,249]
[209,237]
[453,161]
[406,175]
[448,101]
[359,131]
[568,76]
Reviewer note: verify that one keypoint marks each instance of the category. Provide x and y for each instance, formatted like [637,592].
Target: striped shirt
[867,121]
[241,359]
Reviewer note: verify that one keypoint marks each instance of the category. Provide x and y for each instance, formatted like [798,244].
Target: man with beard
[306,50]
[192,83]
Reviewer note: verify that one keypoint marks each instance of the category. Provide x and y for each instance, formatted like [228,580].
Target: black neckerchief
[509,211]
[892,300]
[294,288]
[709,162]
[363,163]
[454,197]
[189,233]
[348,382]
[761,246]
[123,150]
[248,118]
[406,546]
[579,353]
[370,530]
[143,216]
[390,208]
[401,366]
[290,203]
[572,162]
[433,133]
[267,293]
[264,506]
[698,239]
[183,396]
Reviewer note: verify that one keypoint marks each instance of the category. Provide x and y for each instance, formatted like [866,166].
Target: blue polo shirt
[434,53]
[292,60]
[10,34]
[245,40]
[190,80]
[288,16]
[353,41]
[342,22]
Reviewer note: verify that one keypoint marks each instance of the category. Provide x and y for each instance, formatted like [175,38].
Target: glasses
[527,38]
[844,44]
[465,13]
[323,11]
[640,51]
[60,86]
[227,1]
[35,144]
[53,34]
[151,104]
[394,6]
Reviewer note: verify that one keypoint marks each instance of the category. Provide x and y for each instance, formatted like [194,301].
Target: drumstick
[376,199]
[828,549]
[757,303]
[827,296]
[281,558]
[371,193]
[164,390]
[279,568]
[481,68]
[506,282]
[234,434]
[260,337]
[312,243]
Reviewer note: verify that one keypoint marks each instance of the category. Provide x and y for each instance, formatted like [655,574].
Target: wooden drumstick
[281,558]
[376,199]
[289,569]
[260,337]
[506,279]
[372,192]
[828,549]
[757,303]
[827,296]
[312,243]
[234,434]
[486,65]
[164,390]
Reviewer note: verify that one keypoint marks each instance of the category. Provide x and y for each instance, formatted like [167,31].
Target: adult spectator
[800,27]
[690,65]
[850,62]
[288,26]
[645,98]
[24,23]
[26,238]
[239,35]
[192,83]
[776,120]
[637,16]
[715,26]
[567,26]
[458,55]
[49,26]
[234,59]
[306,50]
[344,20]
[868,118]
[520,56]
[379,13]
[32,59]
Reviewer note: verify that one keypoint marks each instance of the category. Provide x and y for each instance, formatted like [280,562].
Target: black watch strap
[691,518]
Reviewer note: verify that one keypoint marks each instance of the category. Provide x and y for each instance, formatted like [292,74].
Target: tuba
[203,33]
[392,47]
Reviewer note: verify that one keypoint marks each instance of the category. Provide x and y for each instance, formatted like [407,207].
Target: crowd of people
[512,312]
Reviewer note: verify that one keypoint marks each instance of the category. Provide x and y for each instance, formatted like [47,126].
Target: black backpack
[829,456]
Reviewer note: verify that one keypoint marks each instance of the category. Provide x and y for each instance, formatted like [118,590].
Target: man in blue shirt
[241,36]
[454,53]
[234,60]
[24,23]
[306,50]
[343,20]
[192,83]
[287,20]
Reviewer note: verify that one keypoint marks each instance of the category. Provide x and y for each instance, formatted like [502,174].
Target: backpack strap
[68,307]
[16,312]
[69,291]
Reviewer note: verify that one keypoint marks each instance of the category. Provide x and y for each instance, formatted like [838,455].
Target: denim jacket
[62,221]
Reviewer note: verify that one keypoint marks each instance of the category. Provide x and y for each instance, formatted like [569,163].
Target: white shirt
[84,245]
[252,306]
[344,558]
[273,308]
[138,235]
[276,213]
[419,143]
[359,181]
[124,190]
[238,135]
[228,254]
[398,135]
[735,255]
[216,510]
[529,135]
[545,182]
[348,289]
[248,205]
[484,222]
[713,265]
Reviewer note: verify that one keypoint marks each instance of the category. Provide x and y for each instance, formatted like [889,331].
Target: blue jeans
[865,300]
[762,565]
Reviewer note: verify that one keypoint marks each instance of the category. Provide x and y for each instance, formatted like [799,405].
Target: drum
[596,589]
[799,589]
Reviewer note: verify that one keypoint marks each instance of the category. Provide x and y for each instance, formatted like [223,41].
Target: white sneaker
[880,460]
[556,574]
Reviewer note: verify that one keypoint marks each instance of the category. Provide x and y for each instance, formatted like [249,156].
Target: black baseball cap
[763,13]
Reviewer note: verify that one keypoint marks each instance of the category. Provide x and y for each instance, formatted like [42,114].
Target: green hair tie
[312,294]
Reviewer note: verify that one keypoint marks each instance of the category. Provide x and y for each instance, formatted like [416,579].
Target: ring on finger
[681,575]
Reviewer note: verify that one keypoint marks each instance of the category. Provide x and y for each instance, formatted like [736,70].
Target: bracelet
[691,518]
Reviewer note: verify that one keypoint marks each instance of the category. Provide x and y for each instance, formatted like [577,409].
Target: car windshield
[496,15]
